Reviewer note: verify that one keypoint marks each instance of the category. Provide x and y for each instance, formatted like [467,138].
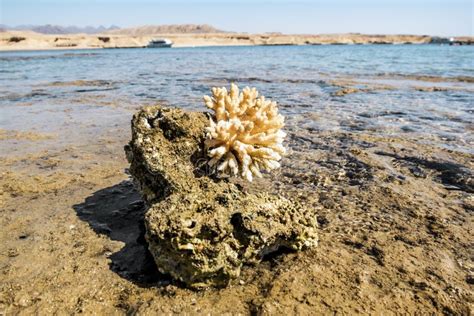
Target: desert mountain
[57,29]
[167,29]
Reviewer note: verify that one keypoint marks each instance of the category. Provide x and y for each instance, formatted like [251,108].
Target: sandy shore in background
[25,40]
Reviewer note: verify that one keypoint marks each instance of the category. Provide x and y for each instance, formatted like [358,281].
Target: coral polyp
[245,135]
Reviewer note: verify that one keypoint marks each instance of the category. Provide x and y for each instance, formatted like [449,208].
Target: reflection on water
[424,92]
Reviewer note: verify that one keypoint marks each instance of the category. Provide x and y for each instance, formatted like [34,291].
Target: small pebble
[12,252]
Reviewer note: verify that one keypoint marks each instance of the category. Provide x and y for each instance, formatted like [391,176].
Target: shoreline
[30,41]
[2,50]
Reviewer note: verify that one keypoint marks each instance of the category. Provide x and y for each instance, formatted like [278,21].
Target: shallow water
[80,94]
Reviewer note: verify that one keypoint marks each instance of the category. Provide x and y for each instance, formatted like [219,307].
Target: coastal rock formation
[201,229]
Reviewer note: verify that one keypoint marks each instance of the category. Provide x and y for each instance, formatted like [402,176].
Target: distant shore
[27,40]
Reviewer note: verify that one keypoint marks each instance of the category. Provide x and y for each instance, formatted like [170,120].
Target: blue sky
[433,17]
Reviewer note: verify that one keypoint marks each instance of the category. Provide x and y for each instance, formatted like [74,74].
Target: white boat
[159,43]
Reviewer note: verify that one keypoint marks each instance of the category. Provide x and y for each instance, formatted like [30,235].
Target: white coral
[246,135]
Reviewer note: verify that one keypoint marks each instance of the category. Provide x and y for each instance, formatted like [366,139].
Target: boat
[159,43]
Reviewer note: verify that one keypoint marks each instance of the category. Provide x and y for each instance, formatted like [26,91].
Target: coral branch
[245,135]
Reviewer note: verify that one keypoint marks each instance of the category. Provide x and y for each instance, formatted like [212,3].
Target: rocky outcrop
[202,229]
[167,29]
[58,29]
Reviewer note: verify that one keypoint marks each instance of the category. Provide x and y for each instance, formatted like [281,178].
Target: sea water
[421,92]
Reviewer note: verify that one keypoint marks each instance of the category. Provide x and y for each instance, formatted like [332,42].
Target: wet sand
[395,216]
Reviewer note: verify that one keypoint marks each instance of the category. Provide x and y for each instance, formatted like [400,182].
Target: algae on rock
[200,229]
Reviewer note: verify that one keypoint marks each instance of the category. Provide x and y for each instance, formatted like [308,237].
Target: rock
[344,91]
[201,229]
[431,89]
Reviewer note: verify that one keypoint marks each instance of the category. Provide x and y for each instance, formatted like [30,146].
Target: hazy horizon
[423,17]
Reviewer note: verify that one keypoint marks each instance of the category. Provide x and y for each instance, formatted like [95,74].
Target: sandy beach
[26,40]
[391,187]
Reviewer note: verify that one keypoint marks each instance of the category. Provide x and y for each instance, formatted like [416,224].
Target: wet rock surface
[201,229]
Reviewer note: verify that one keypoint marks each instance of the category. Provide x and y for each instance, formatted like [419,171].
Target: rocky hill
[167,29]
[58,29]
